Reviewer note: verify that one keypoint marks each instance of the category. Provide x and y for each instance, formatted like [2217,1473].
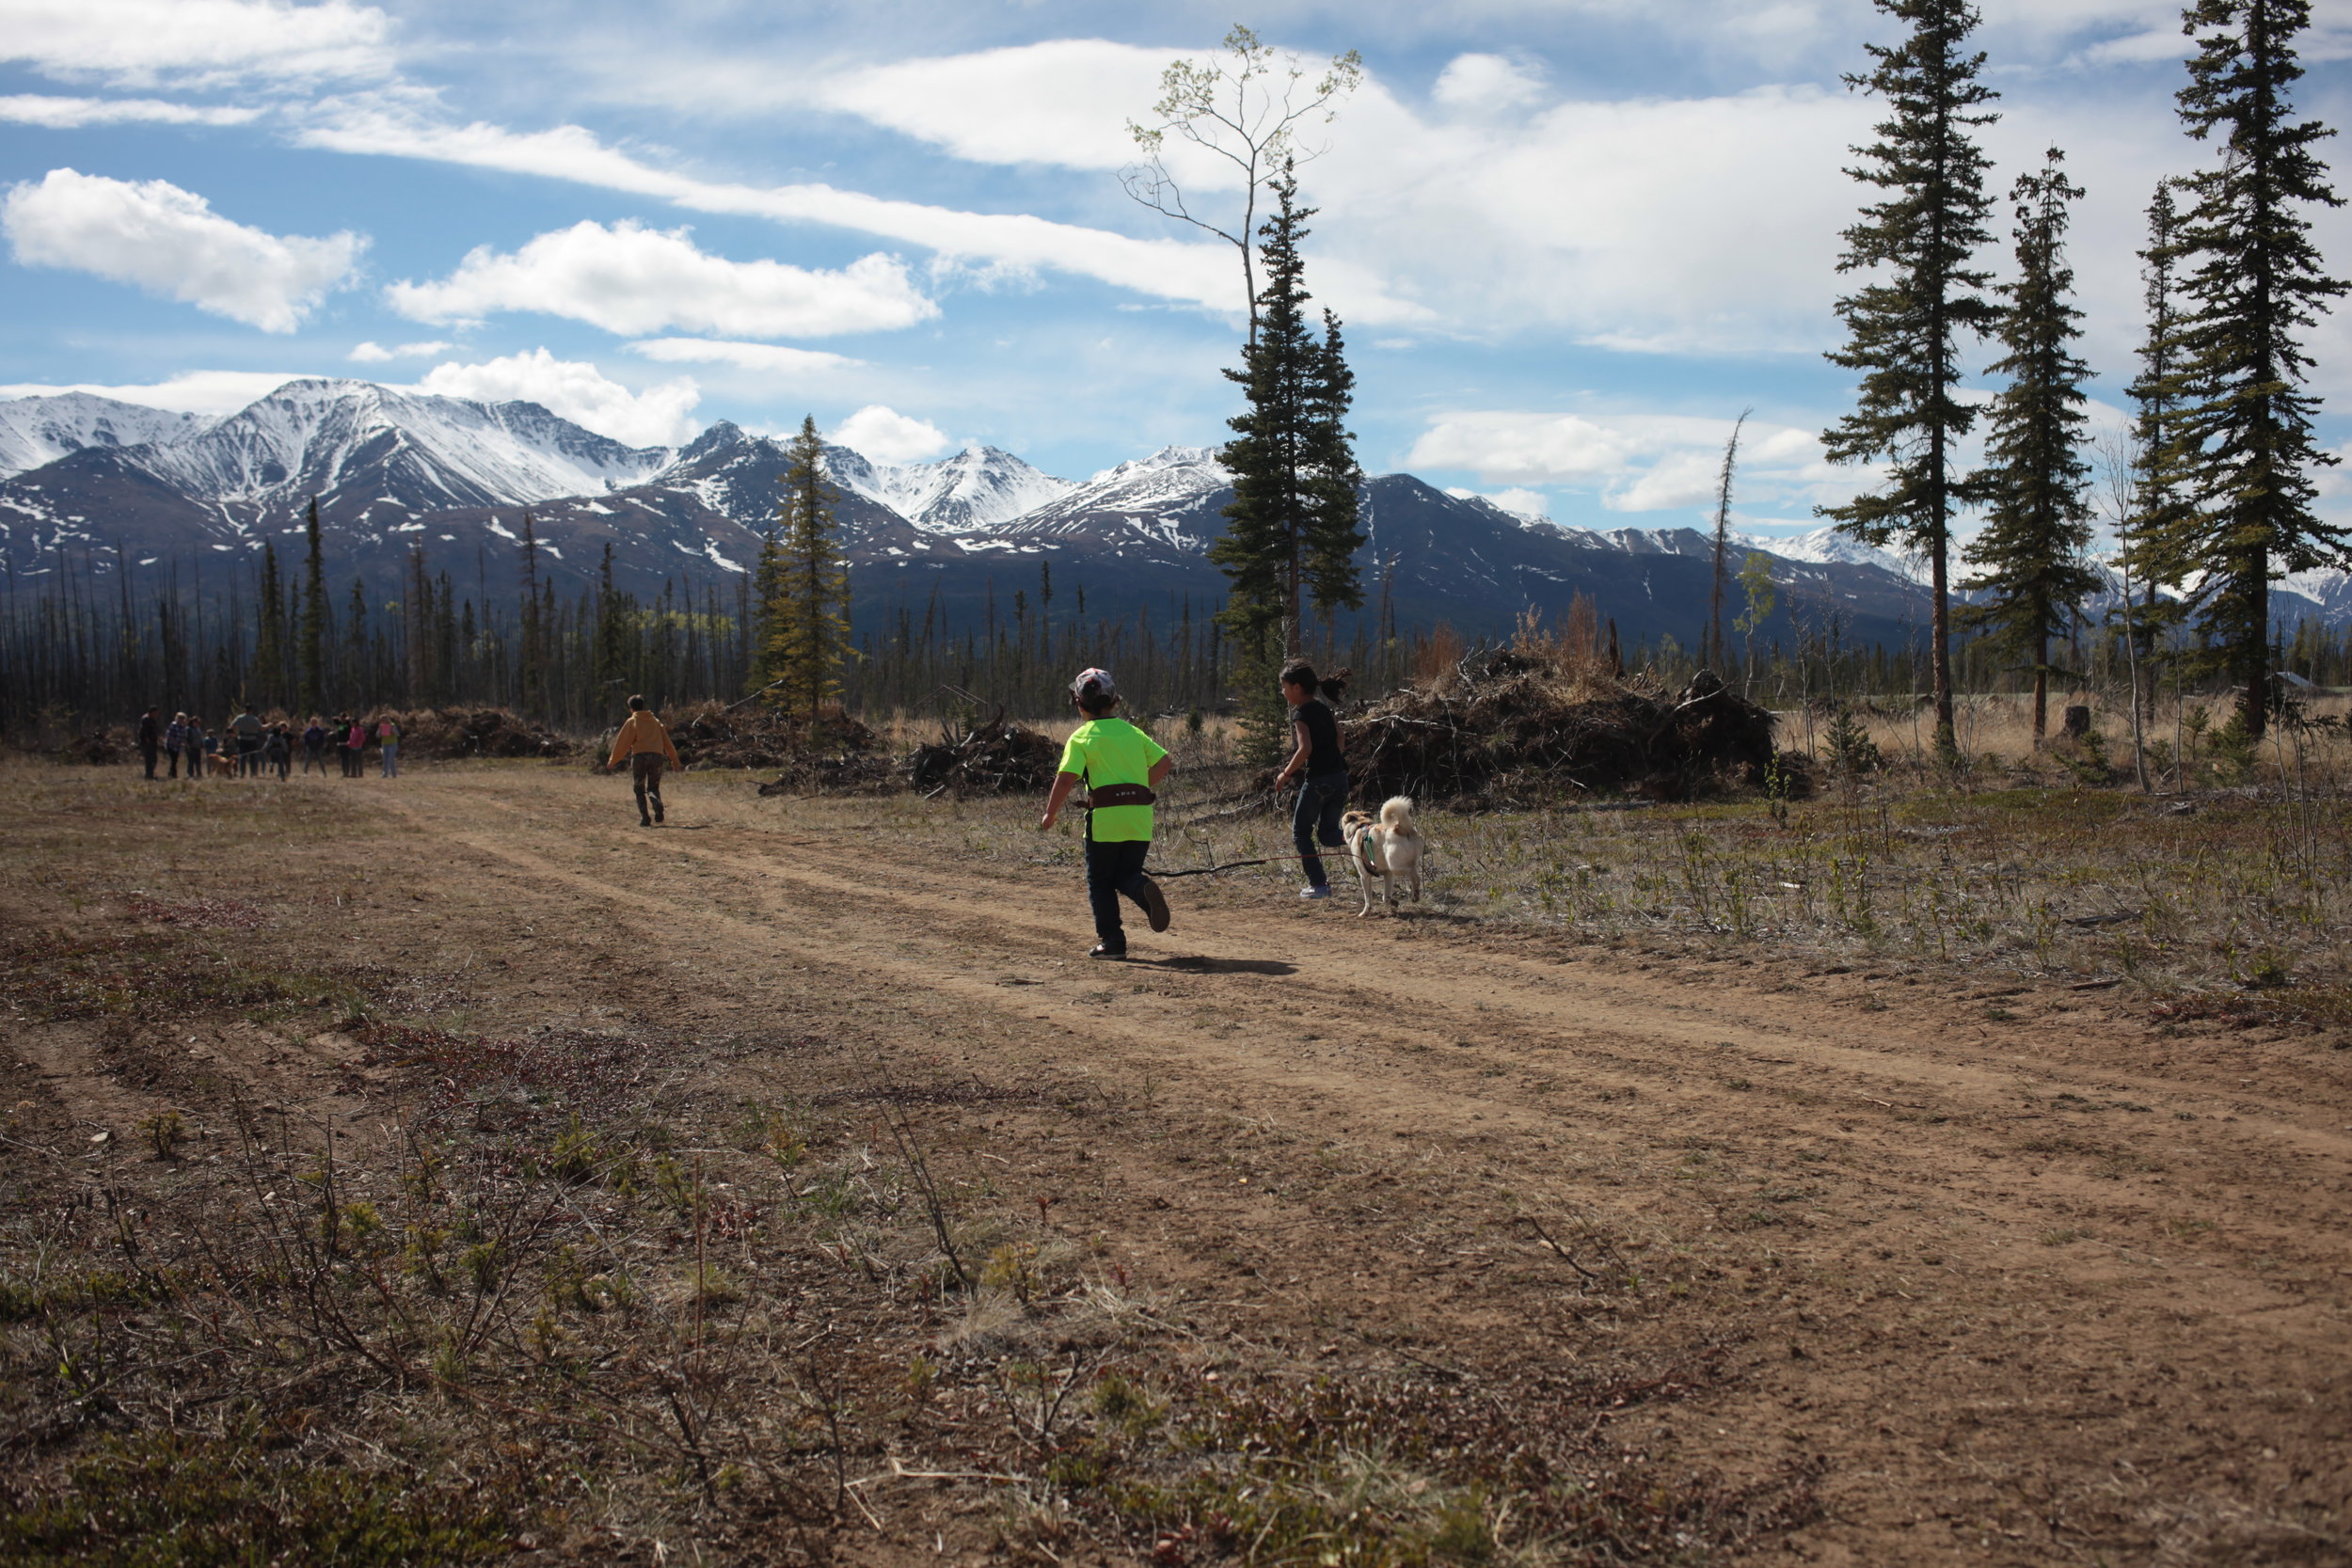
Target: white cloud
[376,354]
[190,392]
[66,113]
[1656,224]
[659,416]
[197,41]
[770,358]
[169,242]
[1529,449]
[1677,479]
[1526,503]
[887,436]
[1480,84]
[1066,102]
[1196,274]
[1635,462]
[632,280]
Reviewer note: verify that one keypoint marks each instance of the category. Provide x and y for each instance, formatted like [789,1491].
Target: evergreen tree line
[2213,495]
[82,647]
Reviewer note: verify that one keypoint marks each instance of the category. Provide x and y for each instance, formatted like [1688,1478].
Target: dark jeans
[249,758]
[1112,869]
[149,753]
[174,755]
[1317,816]
[644,773]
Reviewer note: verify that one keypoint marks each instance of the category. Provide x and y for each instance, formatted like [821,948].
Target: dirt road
[2027,1275]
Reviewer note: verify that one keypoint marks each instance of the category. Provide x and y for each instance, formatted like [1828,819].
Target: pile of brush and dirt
[1521,727]
[827,751]
[450,733]
[993,756]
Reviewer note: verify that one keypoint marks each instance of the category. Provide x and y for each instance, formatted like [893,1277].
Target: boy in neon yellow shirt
[1120,767]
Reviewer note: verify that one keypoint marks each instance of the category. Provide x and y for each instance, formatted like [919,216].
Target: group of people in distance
[253,747]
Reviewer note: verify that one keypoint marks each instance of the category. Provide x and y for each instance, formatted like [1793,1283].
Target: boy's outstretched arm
[1063,784]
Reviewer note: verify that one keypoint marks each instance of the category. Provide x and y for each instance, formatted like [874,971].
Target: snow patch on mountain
[38,430]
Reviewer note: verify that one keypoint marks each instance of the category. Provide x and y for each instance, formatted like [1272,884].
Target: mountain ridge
[396,472]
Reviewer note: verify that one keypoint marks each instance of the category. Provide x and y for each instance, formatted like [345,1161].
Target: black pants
[1317,816]
[249,758]
[174,755]
[1112,869]
[149,754]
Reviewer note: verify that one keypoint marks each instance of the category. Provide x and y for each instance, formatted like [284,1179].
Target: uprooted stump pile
[992,757]
[1509,727]
[828,752]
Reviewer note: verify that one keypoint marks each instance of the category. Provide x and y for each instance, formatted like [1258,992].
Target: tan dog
[220,764]
[1388,847]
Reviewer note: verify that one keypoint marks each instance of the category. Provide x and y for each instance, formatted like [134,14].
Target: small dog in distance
[1387,846]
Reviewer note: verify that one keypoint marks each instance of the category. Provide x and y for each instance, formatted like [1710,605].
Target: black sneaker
[1101,952]
[1154,904]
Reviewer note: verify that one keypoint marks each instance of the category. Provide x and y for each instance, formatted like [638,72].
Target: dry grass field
[448,1170]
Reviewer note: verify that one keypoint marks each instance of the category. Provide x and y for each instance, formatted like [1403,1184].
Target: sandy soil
[2027,1276]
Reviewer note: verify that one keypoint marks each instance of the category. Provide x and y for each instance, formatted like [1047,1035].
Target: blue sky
[1572,240]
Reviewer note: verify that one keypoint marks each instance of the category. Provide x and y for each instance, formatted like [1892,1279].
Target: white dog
[1387,846]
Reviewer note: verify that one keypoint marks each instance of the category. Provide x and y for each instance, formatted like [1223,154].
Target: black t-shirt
[1323,738]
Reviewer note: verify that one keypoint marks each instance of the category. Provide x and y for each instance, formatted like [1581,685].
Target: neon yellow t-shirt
[1112,751]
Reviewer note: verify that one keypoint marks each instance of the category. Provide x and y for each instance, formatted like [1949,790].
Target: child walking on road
[1120,767]
[1323,773]
[645,745]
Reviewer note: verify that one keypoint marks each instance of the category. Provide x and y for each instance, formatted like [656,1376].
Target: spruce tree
[2030,552]
[804,587]
[269,643]
[315,611]
[534,626]
[1290,537]
[2158,505]
[2243,448]
[1924,293]
[611,658]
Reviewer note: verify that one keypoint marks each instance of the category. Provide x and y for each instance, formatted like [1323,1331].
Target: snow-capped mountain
[1176,498]
[40,430]
[977,490]
[1829,546]
[395,453]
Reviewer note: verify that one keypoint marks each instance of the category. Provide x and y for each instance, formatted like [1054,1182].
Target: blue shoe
[1314,892]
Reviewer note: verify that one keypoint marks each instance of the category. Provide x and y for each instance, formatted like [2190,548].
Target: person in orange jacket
[645,746]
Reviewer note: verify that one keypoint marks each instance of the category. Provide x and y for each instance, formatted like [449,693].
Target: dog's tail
[1396,816]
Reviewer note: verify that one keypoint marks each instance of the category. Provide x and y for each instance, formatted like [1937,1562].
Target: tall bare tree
[1722,538]
[1246,106]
